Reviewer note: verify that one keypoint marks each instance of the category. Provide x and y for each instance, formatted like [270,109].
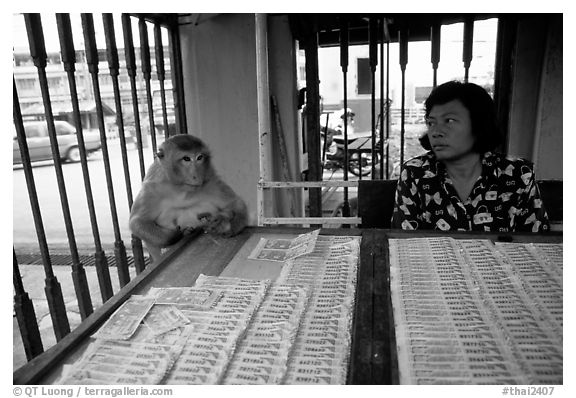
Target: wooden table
[373,356]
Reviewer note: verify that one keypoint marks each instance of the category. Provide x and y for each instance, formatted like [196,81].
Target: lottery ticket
[164,318]
[125,320]
[284,249]
[189,297]
[307,376]
[266,347]
[145,334]
[112,362]
[253,374]
[231,283]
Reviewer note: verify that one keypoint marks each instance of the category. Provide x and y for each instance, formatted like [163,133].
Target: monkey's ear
[160,153]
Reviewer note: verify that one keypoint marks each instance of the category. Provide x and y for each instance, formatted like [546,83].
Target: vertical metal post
[373,56]
[388,114]
[114,65]
[92,61]
[52,289]
[313,116]
[69,60]
[435,52]
[505,42]
[468,46]
[147,72]
[263,102]
[383,99]
[131,67]
[25,314]
[177,76]
[403,44]
[38,53]
[344,66]
[161,72]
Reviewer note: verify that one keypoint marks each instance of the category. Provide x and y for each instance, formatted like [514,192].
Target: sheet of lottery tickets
[225,330]
[474,312]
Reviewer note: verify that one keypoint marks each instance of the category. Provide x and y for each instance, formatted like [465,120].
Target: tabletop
[373,358]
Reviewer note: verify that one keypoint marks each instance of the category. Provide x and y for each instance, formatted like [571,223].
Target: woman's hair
[480,106]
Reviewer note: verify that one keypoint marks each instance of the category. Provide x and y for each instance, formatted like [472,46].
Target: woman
[460,184]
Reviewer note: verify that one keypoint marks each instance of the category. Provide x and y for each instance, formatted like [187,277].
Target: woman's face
[450,131]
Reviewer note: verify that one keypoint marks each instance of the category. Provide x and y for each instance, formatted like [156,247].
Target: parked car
[39,142]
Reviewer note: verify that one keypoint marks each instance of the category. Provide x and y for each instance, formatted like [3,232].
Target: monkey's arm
[232,215]
[145,210]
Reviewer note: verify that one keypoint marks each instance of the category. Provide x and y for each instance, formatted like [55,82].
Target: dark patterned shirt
[505,198]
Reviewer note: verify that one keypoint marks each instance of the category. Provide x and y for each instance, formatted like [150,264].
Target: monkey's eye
[200,157]
[186,158]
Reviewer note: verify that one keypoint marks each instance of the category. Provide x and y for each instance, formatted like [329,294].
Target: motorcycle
[359,160]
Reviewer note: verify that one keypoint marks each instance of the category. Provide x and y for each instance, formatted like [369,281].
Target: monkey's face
[185,160]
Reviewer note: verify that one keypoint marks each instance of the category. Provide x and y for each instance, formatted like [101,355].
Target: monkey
[182,192]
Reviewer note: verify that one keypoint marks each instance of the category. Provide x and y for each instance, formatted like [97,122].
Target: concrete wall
[536,131]
[284,87]
[222,97]
[220,81]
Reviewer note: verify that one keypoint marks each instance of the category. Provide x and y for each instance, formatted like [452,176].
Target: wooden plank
[360,367]
[384,359]
[311,220]
[360,144]
[549,237]
[307,184]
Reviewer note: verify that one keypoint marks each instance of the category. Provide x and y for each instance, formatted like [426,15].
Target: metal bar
[177,76]
[52,289]
[114,65]
[435,52]
[264,118]
[69,60]
[505,42]
[147,72]
[92,61]
[38,53]
[373,56]
[313,115]
[344,42]
[161,72]
[382,100]
[131,67]
[25,314]
[325,144]
[403,44]
[468,46]
[388,103]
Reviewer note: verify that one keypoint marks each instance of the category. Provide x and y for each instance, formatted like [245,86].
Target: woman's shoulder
[507,162]
[418,167]
[421,161]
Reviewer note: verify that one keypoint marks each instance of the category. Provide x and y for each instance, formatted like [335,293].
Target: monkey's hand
[218,224]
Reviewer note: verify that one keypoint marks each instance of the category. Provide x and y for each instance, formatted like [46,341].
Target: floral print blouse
[505,198]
